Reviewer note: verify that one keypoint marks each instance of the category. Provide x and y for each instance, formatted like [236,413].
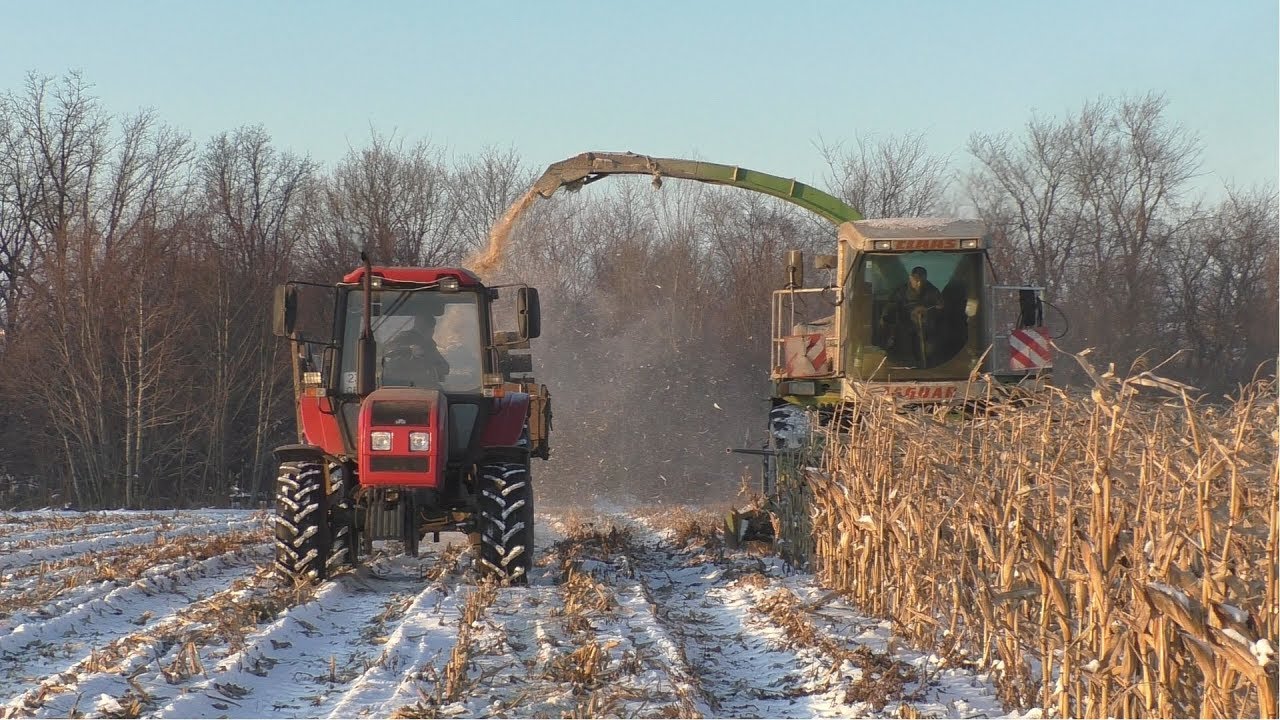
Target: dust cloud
[639,421]
[647,389]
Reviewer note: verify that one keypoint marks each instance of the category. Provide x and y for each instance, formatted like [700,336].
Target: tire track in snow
[665,627]
[741,669]
[580,640]
[414,658]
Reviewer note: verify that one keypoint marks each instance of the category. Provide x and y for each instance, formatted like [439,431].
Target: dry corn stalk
[1109,554]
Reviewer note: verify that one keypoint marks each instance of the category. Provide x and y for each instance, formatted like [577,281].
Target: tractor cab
[428,332]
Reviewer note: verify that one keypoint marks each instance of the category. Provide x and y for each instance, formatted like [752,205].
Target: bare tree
[1024,190]
[893,177]
[255,202]
[1130,168]
[748,237]
[19,234]
[75,202]
[393,199]
[1221,293]
[484,186]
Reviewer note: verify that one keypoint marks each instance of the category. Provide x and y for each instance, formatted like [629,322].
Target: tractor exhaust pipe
[367,349]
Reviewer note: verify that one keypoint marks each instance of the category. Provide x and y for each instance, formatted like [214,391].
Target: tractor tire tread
[309,548]
[505,521]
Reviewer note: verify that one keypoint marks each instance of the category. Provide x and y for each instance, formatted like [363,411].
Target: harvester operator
[910,317]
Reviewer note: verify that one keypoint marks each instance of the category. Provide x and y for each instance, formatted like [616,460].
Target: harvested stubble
[883,678]
[456,680]
[229,616]
[587,668]
[1105,554]
[691,529]
[120,565]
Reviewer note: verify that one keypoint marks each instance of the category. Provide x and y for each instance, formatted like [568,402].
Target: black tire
[310,547]
[344,545]
[788,430]
[788,427]
[505,522]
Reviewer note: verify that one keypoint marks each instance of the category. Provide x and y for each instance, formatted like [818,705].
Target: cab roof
[917,233]
[415,275]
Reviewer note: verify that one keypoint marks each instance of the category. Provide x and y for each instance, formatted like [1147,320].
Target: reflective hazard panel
[1029,349]
[806,355]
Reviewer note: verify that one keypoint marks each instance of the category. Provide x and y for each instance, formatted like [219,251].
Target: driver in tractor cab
[412,358]
[910,318]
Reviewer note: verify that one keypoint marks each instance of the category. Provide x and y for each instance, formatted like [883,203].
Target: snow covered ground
[176,615]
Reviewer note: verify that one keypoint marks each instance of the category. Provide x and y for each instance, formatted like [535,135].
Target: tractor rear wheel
[505,521]
[309,547]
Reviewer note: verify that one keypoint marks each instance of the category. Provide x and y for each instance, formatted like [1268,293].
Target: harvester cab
[414,417]
[910,313]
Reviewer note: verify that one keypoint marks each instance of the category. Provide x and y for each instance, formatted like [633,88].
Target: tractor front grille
[399,464]
[400,412]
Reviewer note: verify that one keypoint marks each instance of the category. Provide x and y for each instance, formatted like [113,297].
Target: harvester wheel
[788,427]
[308,545]
[788,430]
[505,521]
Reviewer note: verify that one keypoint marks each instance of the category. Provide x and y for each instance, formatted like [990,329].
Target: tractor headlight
[380,440]
[419,441]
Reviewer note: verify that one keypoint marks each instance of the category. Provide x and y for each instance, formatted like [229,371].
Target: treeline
[136,265]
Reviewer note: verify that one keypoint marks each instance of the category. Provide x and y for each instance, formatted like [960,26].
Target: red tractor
[414,417]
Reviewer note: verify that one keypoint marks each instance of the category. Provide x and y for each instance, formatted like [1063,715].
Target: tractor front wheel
[309,547]
[505,521]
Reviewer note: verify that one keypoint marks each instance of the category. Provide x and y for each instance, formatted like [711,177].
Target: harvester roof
[920,233]
[415,275]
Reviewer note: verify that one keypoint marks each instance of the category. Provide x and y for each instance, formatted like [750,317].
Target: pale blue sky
[748,83]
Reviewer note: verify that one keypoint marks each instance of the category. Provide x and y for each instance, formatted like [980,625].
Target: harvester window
[425,339]
[921,305]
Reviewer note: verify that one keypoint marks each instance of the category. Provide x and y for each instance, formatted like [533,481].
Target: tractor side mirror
[529,312]
[824,262]
[286,310]
[795,269]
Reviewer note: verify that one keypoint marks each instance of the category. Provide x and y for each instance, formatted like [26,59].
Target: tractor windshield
[425,339]
[919,312]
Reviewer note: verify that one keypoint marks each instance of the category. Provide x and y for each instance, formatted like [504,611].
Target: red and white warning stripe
[806,355]
[1029,349]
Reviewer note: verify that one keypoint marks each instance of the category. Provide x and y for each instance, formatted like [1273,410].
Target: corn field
[1104,554]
